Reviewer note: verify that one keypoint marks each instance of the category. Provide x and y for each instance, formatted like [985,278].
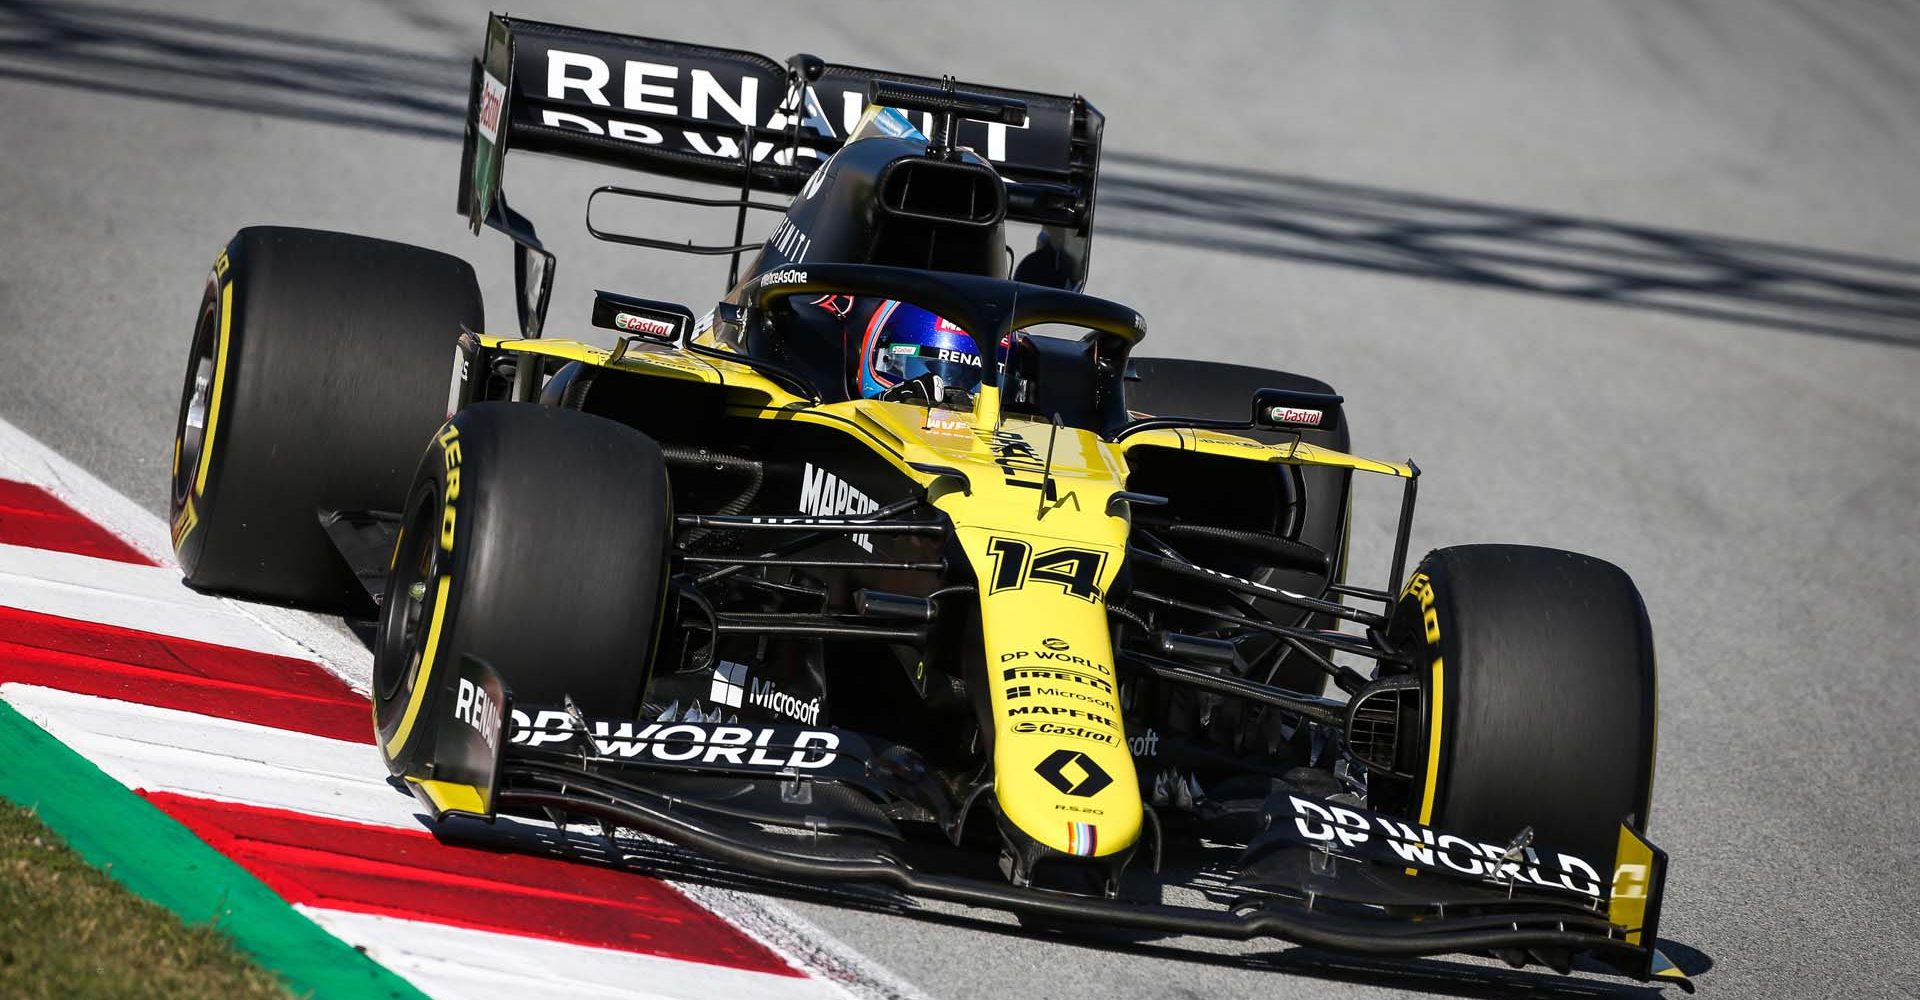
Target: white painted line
[339,788]
[166,750]
[803,943]
[324,641]
[158,749]
[268,629]
[24,459]
[146,598]
[457,962]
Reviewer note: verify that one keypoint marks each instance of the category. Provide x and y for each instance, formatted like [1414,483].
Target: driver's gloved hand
[923,390]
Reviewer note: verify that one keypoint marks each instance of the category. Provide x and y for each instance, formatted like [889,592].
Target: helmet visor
[902,362]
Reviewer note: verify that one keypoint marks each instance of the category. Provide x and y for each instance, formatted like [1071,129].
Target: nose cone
[1062,771]
[1044,550]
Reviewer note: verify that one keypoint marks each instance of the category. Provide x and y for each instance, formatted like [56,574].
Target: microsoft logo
[729,683]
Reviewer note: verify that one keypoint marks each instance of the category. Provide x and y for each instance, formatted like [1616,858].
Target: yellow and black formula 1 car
[897,565]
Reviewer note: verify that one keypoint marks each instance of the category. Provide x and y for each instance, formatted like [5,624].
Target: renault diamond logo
[1074,773]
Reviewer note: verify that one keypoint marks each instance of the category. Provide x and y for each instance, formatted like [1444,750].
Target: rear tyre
[320,361]
[1214,390]
[1540,664]
[536,539]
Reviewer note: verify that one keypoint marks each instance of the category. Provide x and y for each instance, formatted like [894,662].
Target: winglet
[1664,971]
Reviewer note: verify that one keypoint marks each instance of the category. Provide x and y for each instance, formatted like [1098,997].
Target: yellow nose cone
[1062,770]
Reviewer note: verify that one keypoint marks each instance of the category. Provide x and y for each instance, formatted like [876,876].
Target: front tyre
[1539,672]
[534,538]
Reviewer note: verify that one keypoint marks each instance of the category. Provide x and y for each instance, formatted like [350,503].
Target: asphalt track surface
[1637,279]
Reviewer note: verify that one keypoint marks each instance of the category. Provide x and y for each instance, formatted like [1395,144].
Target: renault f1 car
[1023,640]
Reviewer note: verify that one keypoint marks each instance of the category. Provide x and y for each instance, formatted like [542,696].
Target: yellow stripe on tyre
[219,385]
[1433,745]
[424,677]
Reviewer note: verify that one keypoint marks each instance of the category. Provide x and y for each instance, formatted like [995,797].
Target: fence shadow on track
[309,77]
[1309,220]
[235,67]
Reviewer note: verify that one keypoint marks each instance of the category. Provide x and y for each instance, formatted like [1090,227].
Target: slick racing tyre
[1539,673]
[320,361]
[1214,390]
[535,538]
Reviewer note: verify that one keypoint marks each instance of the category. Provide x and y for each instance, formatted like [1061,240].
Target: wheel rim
[407,609]
[190,436]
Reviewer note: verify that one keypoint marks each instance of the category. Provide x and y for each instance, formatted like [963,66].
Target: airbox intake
[943,191]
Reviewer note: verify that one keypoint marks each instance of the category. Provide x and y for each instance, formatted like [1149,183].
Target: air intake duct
[948,192]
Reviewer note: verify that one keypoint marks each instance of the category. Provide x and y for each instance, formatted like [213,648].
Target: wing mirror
[1294,410]
[634,318]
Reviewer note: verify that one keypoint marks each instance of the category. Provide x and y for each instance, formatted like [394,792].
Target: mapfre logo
[824,494]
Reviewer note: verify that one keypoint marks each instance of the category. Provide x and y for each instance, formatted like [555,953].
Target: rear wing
[724,116]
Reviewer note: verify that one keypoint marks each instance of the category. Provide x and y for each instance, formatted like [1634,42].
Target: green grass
[67,930]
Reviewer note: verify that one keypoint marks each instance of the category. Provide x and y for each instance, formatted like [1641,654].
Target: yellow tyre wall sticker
[449,441]
[189,515]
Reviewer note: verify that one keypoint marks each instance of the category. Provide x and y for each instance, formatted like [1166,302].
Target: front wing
[1320,873]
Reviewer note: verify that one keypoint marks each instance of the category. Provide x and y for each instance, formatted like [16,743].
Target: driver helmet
[903,342]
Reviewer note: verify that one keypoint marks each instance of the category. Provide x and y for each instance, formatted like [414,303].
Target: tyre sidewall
[187,502]
[332,353]
[1541,662]
[509,546]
